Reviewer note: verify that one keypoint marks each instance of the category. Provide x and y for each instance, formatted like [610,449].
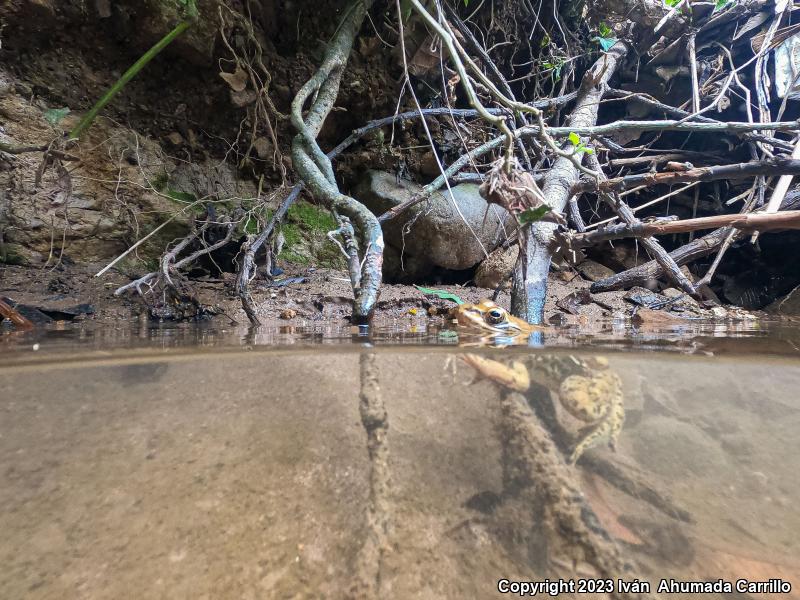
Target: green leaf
[190,8]
[55,115]
[605,30]
[444,295]
[186,197]
[532,215]
[574,139]
[405,9]
[720,4]
[606,43]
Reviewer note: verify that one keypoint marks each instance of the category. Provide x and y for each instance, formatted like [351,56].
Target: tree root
[376,425]
[315,168]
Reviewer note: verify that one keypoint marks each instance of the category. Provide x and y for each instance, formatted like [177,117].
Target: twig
[652,246]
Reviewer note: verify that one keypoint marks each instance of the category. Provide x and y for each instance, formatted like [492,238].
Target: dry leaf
[236,80]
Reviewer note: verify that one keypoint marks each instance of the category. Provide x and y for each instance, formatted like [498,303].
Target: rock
[497,268]
[719,312]
[288,314]
[646,316]
[620,256]
[438,236]
[405,269]
[594,271]
[428,165]
[644,297]
[175,138]
[672,448]
[263,147]
[789,305]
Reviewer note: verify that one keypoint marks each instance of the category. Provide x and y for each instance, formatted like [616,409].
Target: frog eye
[495,316]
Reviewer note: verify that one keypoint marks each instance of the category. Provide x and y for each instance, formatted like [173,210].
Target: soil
[323,295]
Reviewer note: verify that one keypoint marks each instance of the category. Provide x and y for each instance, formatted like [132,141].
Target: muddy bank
[324,295]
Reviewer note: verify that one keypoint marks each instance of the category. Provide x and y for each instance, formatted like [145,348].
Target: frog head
[488,317]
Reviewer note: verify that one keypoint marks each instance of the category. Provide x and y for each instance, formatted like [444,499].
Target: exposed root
[165,292]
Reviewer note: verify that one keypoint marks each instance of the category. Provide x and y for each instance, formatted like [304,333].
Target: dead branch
[651,245]
[746,222]
[768,167]
[649,271]
[167,295]
[8,312]
[529,291]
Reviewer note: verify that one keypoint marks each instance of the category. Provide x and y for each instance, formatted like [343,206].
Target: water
[195,463]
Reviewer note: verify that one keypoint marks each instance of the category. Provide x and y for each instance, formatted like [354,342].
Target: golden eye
[495,316]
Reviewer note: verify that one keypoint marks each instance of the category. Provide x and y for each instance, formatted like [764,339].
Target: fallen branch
[167,296]
[8,312]
[746,222]
[652,270]
[767,167]
[651,245]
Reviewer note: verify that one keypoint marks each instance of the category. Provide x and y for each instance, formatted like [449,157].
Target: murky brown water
[190,463]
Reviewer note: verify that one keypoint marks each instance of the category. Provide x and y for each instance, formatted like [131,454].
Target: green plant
[555,67]
[580,147]
[444,295]
[606,38]
[190,14]
[532,215]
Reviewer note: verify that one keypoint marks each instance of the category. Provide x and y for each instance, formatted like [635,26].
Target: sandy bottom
[248,475]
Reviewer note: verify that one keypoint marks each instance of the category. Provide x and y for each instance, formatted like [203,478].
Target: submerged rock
[672,448]
[434,232]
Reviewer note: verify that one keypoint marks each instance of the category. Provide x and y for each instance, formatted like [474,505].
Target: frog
[494,321]
[587,388]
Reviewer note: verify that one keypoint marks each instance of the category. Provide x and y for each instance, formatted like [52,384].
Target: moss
[311,217]
[160,181]
[9,256]
[305,235]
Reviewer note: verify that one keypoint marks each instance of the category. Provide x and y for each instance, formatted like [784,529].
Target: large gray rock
[435,232]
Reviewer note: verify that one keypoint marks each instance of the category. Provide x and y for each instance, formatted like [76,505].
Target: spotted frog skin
[586,388]
[589,391]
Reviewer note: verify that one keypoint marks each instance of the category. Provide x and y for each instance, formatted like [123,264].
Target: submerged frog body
[589,391]
[586,388]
